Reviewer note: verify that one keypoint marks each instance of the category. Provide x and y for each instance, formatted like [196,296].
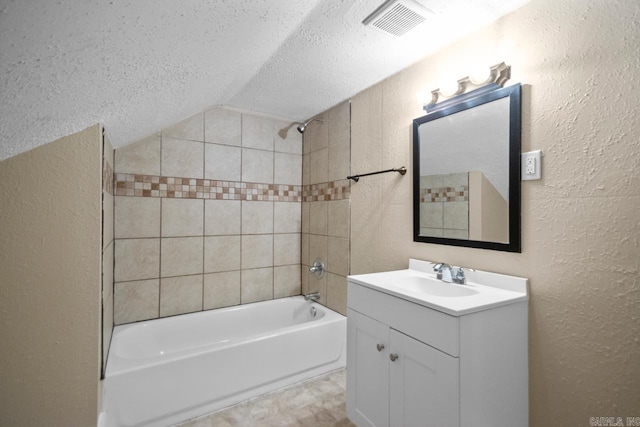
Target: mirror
[466,171]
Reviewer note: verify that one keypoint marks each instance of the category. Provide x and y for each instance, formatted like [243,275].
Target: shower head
[304,125]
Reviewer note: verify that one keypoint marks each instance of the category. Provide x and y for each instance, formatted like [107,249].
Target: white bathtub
[168,370]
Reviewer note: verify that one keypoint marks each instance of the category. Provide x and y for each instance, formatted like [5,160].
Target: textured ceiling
[137,66]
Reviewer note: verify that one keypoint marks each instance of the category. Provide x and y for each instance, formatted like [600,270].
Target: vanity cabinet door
[368,371]
[424,384]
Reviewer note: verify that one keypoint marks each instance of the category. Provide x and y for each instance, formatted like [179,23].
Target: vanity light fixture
[496,76]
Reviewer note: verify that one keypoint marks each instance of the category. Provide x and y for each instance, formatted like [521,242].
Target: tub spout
[313,296]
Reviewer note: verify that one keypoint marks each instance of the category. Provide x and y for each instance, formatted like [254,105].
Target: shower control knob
[393,357]
[380,347]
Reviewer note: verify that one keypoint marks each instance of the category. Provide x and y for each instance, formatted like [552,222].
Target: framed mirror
[466,171]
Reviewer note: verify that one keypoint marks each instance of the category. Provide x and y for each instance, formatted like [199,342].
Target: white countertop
[483,290]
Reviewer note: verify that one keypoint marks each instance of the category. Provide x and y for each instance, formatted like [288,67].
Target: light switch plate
[531,165]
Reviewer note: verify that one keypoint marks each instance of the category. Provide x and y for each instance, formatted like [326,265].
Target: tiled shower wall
[107,247]
[325,209]
[207,215]
[444,205]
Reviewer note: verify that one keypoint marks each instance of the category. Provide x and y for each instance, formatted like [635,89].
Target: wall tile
[134,301]
[257,217]
[456,215]
[286,281]
[431,215]
[222,126]
[305,217]
[257,166]
[306,176]
[181,256]
[179,295]
[141,157]
[222,162]
[304,249]
[137,217]
[304,274]
[316,136]
[288,169]
[286,249]
[221,253]
[182,159]
[257,251]
[339,124]
[256,285]
[221,289]
[431,232]
[257,132]
[182,217]
[339,162]
[455,234]
[318,217]
[338,255]
[222,217]
[337,293]
[317,248]
[286,217]
[319,166]
[191,129]
[338,218]
[136,259]
[287,139]
[108,207]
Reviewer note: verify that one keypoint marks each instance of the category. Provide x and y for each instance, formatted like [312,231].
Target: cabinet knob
[380,347]
[393,357]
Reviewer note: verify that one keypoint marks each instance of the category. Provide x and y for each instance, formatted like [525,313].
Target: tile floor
[319,402]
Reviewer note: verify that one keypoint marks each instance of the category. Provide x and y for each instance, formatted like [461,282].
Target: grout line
[204,220]
[160,242]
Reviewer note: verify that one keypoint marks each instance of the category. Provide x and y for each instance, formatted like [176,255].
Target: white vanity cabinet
[411,365]
[398,380]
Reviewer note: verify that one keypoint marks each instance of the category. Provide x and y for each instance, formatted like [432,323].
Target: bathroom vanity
[421,352]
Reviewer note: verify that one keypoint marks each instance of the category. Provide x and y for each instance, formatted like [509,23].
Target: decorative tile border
[190,188]
[335,190]
[444,194]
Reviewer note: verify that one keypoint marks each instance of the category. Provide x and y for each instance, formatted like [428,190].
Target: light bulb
[480,75]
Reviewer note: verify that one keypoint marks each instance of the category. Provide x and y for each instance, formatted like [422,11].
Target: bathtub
[169,370]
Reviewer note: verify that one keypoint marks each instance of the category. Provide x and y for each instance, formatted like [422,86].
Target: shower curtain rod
[402,170]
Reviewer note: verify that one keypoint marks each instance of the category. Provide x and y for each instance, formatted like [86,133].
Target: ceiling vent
[397,17]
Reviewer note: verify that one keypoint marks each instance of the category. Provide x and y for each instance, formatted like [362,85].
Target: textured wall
[50,250]
[580,223]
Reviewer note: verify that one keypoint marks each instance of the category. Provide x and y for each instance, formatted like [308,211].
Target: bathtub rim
[330,316]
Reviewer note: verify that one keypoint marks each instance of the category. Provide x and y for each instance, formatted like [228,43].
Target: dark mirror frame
[455,105]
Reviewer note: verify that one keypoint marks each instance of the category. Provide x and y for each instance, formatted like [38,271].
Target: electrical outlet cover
[531,165]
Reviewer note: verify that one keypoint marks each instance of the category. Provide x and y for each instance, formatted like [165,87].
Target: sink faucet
[313,296]
[449,274]
[444,272]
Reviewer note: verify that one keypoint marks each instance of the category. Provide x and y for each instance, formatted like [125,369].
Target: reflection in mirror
[466,172]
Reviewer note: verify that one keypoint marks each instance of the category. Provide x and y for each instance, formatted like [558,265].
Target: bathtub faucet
[313,296]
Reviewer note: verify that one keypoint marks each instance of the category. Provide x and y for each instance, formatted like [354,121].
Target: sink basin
[432,287]
[419,284]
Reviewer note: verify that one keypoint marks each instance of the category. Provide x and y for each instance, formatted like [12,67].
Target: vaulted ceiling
[140,65]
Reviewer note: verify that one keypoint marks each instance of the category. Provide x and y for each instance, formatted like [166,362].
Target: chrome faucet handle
[317,268]
[458,276]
